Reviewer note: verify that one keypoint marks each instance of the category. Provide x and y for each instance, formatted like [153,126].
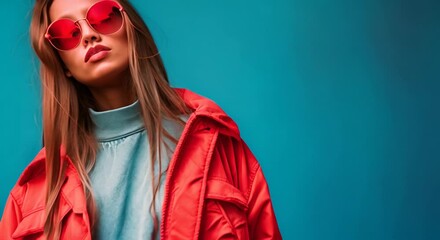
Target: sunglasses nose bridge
[76,22]
[79,25]
[88,32]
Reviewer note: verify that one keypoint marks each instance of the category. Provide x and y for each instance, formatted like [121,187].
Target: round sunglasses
[105,17]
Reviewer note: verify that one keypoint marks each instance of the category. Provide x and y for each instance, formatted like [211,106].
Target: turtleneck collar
[117,123]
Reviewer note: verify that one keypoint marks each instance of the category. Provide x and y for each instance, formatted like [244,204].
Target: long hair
[66,120]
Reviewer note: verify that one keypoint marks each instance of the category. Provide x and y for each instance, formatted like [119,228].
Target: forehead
[74,9]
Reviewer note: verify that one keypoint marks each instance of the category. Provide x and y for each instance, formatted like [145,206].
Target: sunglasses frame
[49,37]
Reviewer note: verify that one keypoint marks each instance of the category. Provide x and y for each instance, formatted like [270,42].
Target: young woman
[125,155]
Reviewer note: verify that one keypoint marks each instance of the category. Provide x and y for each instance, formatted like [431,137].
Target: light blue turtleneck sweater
[121,178]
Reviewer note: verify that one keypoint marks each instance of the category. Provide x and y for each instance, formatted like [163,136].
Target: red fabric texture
[214,189]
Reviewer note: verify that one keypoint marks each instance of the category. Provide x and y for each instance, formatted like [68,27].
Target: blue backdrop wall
[337,99]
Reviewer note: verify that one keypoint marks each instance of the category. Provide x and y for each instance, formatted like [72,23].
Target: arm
[11,218]
[261,216]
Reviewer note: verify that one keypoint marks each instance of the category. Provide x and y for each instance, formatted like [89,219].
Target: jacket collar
[203,106]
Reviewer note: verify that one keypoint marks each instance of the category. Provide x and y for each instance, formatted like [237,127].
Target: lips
[94,50]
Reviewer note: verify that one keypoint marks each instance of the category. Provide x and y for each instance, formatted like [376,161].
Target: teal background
[337,99]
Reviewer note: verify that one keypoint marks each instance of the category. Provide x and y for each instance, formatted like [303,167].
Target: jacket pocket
[224,212]
[31,226]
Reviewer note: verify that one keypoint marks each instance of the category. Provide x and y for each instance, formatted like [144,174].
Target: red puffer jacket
[214,189]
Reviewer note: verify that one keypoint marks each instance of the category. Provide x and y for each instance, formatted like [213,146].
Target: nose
[89,34]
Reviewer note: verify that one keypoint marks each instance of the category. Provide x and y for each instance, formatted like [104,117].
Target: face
[105,67]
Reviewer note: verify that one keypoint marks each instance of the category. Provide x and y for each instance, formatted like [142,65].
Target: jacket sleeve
[261,216]
[11,218]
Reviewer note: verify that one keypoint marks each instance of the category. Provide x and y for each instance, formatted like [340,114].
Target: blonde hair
[66,119]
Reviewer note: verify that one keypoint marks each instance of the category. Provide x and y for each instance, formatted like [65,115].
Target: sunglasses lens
[64,34]
[105,17]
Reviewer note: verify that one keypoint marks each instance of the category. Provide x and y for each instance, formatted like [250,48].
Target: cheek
[121,47]
[122,39]
[70,58]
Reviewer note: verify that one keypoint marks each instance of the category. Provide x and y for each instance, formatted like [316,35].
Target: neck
[107,98]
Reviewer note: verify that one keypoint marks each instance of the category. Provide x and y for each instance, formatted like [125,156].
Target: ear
[68,73]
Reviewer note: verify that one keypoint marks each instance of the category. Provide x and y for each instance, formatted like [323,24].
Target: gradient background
[337,99]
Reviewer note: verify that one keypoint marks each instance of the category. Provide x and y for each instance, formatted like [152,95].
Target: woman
[125,155]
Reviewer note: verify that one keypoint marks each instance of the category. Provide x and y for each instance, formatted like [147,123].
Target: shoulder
[231,157]
[28,191]
[34,169]
[31,185]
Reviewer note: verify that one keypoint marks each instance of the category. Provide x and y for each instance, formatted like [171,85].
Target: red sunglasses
[105,17]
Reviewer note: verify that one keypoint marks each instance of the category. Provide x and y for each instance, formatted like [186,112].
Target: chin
[105,76]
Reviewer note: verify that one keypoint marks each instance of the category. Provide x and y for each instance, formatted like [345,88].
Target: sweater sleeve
[261,215]
[11,218]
